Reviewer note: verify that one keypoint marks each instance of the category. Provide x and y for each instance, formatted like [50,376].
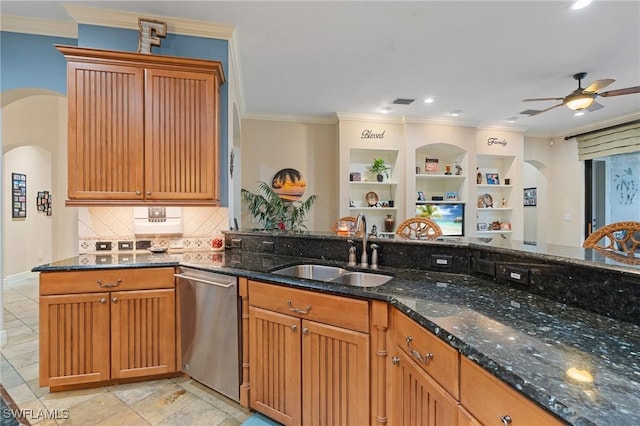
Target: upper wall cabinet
[143,129]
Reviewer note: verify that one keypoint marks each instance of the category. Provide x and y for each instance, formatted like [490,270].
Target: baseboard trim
[22,276]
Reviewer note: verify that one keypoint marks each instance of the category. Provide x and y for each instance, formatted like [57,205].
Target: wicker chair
[352,225]
[621,237]
[419,228]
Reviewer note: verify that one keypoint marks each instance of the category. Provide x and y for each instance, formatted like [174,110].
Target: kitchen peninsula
[480,299]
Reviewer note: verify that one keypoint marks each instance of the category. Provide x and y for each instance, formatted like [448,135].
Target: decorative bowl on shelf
[372,199]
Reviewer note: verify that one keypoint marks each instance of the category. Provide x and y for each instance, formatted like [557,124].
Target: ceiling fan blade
[541,99]
[599,84]
[618,92]
[594,107]
[545,110]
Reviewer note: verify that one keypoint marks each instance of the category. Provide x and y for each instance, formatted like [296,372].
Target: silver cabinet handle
[506,420]
[109,285]
[114,300]
[304,311]
[427,357]
[148,192]
[103,300]
[395,360]
[293,327]
[138,192]
[305,330]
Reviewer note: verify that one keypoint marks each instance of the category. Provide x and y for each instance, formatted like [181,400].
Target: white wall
[27,241]
[312,149]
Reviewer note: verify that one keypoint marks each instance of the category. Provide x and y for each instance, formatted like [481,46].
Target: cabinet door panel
[417,400]
[335,375]
[143,333]
[180,142]
[105,131]
[74,339]
[275,365]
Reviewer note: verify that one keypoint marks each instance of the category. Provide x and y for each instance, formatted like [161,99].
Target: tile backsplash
[115,224]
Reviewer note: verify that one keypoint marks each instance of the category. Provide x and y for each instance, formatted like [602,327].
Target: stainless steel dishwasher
[210,326]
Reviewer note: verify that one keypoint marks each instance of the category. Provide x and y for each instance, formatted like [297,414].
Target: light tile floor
[176,401]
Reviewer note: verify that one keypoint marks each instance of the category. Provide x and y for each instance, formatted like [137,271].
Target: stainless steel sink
[361,279]
[312,272]
[334,274]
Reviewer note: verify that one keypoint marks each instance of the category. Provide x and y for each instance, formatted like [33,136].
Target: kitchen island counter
[528,341]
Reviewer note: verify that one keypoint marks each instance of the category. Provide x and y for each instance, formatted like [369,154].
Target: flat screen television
[449,216]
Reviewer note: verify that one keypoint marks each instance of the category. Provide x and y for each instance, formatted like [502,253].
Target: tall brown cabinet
[142,128]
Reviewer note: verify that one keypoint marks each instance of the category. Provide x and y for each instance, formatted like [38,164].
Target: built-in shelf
[373,208]
[422,203]
[493,232]
[486,185]
[439,176]
[370,182]
[491,209]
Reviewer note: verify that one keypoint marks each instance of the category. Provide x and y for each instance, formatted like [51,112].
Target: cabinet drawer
[488,399]
[105,280]
[435,357]
[328,309]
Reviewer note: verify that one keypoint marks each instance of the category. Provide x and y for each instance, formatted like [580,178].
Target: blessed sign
[370,134]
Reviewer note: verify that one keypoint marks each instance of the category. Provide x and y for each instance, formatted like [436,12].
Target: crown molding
[500,128]
[45,27]
[129,20]
[310,119]
[350,116]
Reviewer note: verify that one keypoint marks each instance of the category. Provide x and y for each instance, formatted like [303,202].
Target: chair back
[619,237]
[419,228]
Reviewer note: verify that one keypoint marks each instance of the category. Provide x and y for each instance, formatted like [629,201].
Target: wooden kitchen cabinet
[423,376]
[309,356]
[489,401]
[142,128]
[89,333]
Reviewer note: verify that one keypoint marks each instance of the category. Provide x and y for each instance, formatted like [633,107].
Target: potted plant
[378,168]
[274,212]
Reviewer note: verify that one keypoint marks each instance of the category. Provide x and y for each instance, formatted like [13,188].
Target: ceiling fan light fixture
[579,102]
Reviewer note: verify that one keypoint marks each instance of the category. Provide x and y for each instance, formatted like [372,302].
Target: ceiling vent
[402,101]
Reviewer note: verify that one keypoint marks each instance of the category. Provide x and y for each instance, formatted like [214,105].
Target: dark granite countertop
[528,341]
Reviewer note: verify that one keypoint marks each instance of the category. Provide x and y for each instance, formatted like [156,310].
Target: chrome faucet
[361,224]
[352,253]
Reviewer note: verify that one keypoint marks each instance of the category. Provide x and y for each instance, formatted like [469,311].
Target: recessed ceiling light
[512,119]
[578,113]
[428,100]
[580,4]
[384,109]
[456,113]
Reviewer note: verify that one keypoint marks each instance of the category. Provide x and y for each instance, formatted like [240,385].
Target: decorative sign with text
[370,134]
[150,33]
[495,141]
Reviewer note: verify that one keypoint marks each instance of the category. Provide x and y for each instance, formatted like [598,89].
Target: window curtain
[623,139]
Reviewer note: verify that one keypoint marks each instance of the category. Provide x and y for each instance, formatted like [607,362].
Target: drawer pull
[305,330]
[103,300]
[395,360]
[114,300]
[427,357]
[109,285]
[506,420]
[304,311]
[293,327]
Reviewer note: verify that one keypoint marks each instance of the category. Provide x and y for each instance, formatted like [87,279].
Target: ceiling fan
[581,98]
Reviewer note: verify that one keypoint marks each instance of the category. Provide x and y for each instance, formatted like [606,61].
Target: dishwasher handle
[188,277]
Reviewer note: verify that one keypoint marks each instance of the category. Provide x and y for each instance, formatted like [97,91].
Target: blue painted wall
[31,61]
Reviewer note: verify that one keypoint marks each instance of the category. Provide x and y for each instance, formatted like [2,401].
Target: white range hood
[157,220]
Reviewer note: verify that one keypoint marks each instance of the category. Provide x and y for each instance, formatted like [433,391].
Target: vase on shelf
[478,176]
[389,223]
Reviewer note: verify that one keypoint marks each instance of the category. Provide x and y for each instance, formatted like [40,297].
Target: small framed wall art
[19,192]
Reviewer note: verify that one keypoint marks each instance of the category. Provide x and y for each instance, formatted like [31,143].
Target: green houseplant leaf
[275,213]
[378,167]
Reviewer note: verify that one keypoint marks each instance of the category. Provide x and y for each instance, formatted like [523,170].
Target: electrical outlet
[125,245]
[177,243]
[103,245]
